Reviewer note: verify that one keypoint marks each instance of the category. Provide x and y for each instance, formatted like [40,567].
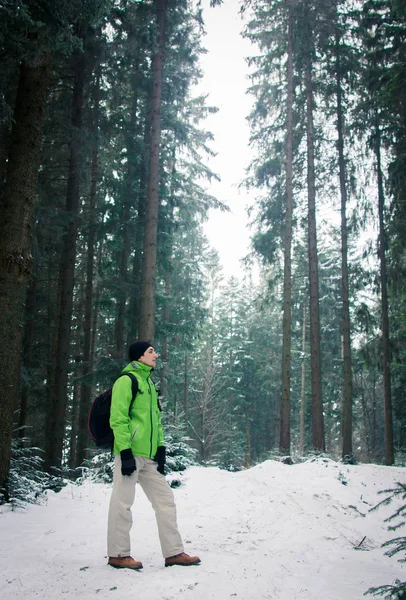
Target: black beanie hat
[137,349]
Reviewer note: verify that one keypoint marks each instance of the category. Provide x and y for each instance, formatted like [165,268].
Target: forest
[105,187]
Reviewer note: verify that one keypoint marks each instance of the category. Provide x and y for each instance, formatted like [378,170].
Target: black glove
[160,458]
[128,465]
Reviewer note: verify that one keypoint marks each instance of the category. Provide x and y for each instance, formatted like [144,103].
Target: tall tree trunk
[5,139]
[131,177]
[202,437]
[366,420]
[95,316]
[95,311]
[277,413]
[166,318]
[56,421]
[76,402]
[149,266]
[186,389]
[27,356]
[389,452]
[247,459]
[136,277]
[303,385]
[15,240]
[86,388]
[53,307]
[168,283]
[122,292]
[74,420]
[366,417]
[5,132]
[346,423]
[315,353]
[284,443]
[373,419]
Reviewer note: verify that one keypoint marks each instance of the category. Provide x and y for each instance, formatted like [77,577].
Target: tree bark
[86,388]
[346,413]
[122,292]
[15,240]
[168,283]
[166,318]
[74,421]
[389,452]
[284,443]
[56,420]
[247,458]
[136,277]
[76,402]
[277,413]
[186,389]
[6,130]
[149,267]
[95,316]
[129,202]
[303,385]
[315,353]
[27,356]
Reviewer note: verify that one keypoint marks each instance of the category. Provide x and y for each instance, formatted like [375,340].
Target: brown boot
[182,559]
[124,562]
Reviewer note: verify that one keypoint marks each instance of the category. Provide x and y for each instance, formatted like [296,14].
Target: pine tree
[15,245]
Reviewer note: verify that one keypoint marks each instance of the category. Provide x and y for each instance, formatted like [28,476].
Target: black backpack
[98,423]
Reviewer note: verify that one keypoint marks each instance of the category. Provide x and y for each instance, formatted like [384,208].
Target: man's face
[149,357]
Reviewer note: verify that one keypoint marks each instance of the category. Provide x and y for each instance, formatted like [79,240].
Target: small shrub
[27,481]
[397,590]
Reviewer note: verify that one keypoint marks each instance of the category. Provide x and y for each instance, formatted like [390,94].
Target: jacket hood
[137,367]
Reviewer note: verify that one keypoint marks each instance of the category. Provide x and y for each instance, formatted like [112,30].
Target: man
[140,457]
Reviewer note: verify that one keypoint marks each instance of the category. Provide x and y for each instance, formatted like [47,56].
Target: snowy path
[273,532]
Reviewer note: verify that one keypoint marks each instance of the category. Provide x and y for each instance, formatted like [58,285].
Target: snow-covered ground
[275,532]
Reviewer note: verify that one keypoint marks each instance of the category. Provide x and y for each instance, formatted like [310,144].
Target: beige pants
[158,492]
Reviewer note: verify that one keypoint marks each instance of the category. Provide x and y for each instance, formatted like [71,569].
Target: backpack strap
[134,392]
[134,389]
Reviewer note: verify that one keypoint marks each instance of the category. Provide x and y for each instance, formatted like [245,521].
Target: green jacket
[142,429]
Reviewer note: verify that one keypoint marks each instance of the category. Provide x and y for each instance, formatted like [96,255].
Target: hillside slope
[272,532]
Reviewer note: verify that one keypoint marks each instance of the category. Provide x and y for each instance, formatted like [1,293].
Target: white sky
[226,81]
[273,532]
